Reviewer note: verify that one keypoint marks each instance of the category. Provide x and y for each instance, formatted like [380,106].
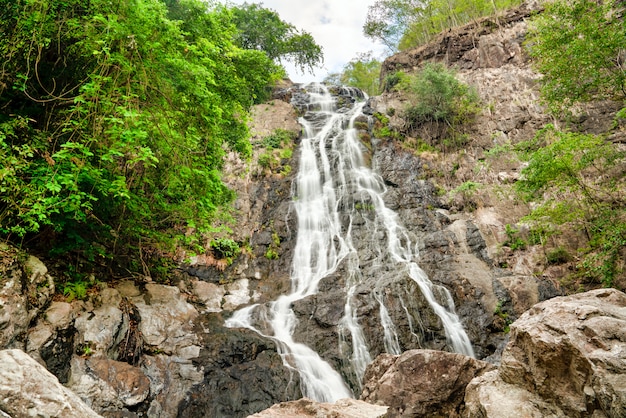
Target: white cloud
[336,25]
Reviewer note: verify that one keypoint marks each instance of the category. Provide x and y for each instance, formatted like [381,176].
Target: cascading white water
[332,171]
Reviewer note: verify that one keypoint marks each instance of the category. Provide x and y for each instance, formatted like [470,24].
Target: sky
[336,25]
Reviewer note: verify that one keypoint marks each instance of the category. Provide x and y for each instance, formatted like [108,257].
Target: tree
[403,24]
[388,20]
[115,122]
[579,48]
[578,180]
[262,29]
[362,72]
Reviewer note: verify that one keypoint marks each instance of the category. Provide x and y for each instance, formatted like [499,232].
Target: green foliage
[278,139]
[436,96]
[513,239]
[467,187]
[501,313]
[578,46]
[75,290]
[382,129]
[225,248]
[392,80]
[558,256]
[262,29]
[362,72]
[278,147]
[578,180]
[403,24]
[116,119]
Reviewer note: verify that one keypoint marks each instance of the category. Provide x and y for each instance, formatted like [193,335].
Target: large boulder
[421,383]
[27,389]
[306,408]
[566,358]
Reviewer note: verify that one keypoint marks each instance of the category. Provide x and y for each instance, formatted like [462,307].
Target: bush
[436,96]
[115,123]
[576,181]
[225,248]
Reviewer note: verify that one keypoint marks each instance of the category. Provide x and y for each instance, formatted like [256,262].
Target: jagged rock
[166,318]
[421,383]
[306,408]
[243,373]
[100,329]
[209,294]
[459,46]
[566,358]
[487,396]
[171,378]
[25,289]
[27,389]
[108,385]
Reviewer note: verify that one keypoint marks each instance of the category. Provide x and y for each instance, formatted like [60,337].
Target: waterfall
[332,183]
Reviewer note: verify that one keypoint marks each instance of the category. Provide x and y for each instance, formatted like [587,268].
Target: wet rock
[305,408]
[27,389]
[421,383]
[171,378]
[243,374]
[566,358]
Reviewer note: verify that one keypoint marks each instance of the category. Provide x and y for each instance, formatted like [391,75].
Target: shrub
[437,98]
[577,181]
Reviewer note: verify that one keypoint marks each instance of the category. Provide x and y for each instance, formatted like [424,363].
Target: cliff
[140,348]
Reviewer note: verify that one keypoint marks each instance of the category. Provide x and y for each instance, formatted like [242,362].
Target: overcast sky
[336,25]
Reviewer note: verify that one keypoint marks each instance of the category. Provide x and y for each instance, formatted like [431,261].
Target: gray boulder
[566,358]
[27,389]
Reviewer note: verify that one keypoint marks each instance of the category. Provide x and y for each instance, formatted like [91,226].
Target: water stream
[333,182]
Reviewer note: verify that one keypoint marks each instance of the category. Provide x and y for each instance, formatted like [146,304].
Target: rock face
[243,374]
[421,383]
[306,408]
[25,289]
[566,358]
[27,389]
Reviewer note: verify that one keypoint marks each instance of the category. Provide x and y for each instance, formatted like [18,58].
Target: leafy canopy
[362,72]
[262,29]
[578,46]
[403,24]
[578,180]
[115,120]
[436,95]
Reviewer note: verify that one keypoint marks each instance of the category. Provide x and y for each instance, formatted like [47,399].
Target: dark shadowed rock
[421,383]
[243,374]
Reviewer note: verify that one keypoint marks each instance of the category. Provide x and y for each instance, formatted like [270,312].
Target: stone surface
[25,289]
[421,383]
[566,357]
[27,389]
[306,408]
[166,318]
[242,373]
[209,294]
[107,384]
